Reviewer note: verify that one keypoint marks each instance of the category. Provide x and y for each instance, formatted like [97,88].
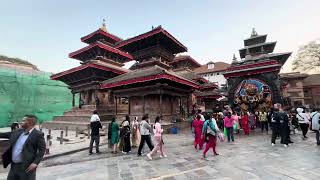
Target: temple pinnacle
[234,59]
[254,32]
[104,27]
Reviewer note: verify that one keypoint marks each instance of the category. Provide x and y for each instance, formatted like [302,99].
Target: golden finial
[104,27]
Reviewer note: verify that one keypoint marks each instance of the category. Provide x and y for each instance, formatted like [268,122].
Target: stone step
[72,118]
[86,112]
[71,125]
[93,107]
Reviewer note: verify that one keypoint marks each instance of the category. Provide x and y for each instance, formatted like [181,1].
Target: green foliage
[22,93]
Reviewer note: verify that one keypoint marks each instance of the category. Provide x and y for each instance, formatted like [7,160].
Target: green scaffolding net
[31,93]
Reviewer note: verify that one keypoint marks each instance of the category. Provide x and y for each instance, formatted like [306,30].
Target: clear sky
[44,32]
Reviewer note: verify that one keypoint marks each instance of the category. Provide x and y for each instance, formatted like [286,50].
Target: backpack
[275,117]
[208,131]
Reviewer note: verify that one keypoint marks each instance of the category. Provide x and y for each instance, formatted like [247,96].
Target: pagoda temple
[100,60]
[253,81]
[160,83]
[152,87]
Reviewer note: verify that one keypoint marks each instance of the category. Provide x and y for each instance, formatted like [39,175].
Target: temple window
[210,66]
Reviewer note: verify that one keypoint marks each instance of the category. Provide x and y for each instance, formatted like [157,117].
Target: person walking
[263,121]
[135,132]
[228,123]
[209,133]
[279,125]
[95,126]
[236,121]
[245,124]
[145,130]
[252,120]
[125,135]
[26,150]
[114,135]
[201,115]
[157,130]
[197,125]
[303,122]
[315,125]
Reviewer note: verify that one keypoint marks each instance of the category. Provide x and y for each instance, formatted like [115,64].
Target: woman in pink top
[158,139]
[228,124]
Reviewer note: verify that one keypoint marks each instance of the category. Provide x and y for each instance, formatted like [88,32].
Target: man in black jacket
[279,125]
[27,148]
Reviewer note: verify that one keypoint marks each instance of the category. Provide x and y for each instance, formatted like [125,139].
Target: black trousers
[280,130]
[264,125]
[318,137]
[126,143]
[304,128]
[145,139]
[17,172]
[284,133]
[95,139]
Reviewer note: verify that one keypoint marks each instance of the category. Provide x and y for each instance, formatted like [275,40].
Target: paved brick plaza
[248,158]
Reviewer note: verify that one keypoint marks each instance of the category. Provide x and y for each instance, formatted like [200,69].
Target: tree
[308,58]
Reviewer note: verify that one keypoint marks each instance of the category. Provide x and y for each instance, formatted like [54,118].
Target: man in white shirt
[303,122]
[145,130]
[95,126]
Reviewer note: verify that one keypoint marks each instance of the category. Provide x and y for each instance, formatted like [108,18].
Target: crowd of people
[281,121]
[130,134]
[208,128]
[27,144]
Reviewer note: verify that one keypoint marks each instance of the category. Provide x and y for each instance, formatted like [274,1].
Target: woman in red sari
[198,125]
[245,124]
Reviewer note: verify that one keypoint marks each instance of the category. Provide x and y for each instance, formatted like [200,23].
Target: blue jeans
[230,133]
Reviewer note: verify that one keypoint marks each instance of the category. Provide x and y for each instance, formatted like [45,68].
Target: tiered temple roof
[102,50]
[100,61]
[257,57]
[147,75]
[153,51]
[154,37]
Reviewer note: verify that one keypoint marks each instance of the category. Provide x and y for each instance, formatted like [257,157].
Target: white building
[213,72]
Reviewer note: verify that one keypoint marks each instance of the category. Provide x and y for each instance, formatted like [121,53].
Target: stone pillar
[188,104]
[73,100]
[143,102]
[160,104]
[129,108]
[116,105]
[180,105]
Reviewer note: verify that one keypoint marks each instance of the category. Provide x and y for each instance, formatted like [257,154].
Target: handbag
[221,137]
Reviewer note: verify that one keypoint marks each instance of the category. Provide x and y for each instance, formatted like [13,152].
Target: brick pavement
[248,158]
